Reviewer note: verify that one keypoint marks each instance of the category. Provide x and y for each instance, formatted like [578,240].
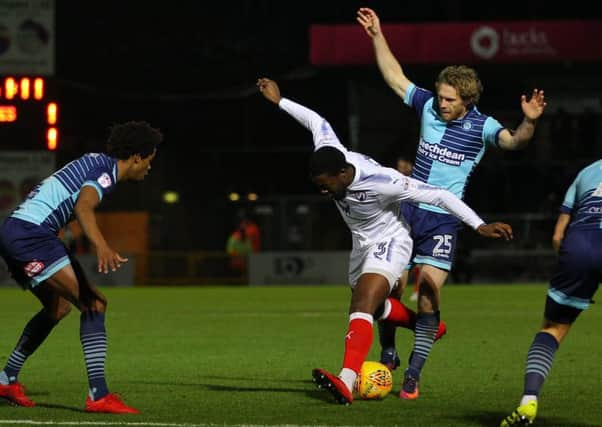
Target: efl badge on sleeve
[104,180]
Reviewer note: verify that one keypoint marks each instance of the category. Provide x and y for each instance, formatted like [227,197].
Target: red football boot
[441,331]
[15,393]
[334,385]
[110,404]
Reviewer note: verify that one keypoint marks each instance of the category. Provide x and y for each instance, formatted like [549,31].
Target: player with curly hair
[40,262]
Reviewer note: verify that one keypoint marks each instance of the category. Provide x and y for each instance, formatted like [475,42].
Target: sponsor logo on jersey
[104,180]
[440,153]
[595,210]
[34,267]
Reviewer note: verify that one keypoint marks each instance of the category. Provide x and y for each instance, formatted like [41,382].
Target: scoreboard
[29,113]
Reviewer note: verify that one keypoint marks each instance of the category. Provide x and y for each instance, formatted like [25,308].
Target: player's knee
[100,306]
[60,311]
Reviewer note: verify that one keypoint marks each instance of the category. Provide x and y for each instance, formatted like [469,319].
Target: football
[374,381]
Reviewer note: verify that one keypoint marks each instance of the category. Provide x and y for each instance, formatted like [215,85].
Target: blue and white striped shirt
[448,152]
[50,204]
[583,199]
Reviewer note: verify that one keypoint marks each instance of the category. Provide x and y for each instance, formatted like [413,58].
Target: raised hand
[269,89]
[369,20]
[496,230]
[533,108]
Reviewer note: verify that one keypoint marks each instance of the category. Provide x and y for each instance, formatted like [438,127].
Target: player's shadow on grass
[222,387]
[5,403]
[308,387]
[55,406]
[491,418]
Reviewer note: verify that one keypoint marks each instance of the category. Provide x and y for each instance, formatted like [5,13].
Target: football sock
[93,337]
[386,335]
[357,341]
[526,399]
[348,377]
[34,334]
[539,362]
[398,314]
[424,336]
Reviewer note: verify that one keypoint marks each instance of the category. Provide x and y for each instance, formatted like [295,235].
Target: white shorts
[387,258]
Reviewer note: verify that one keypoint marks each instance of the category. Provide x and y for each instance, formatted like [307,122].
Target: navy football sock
[34,334]
[93,337]
[539,362]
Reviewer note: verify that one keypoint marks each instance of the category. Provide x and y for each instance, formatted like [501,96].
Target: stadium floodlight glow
[234,197]
[38,88]
[8,113]
[171,197]
[252,197]
[10,88]
[51,113]
[25,88]
[52,138]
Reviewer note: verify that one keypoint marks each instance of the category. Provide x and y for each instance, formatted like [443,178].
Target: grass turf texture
[243,356]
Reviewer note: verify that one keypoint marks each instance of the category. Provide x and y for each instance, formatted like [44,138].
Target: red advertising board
[462,42]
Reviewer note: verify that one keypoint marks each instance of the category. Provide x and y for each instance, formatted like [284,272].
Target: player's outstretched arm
[388,65]
[532,109]
[420,192]
[321,131]
[496,230]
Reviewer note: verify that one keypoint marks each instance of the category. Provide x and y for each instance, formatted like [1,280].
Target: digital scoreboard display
[29,113]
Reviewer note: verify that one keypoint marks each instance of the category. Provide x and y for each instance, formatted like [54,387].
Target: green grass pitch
[221,356]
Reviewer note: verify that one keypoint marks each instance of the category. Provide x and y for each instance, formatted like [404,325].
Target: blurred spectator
[251,229]
[238,247]
[244,240]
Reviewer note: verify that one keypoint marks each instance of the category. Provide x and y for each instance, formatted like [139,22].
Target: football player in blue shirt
[578,274]
[39,261]
[454,135]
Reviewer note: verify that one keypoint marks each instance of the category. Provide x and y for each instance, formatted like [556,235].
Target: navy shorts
[434,235]
[32,253]
[577,275]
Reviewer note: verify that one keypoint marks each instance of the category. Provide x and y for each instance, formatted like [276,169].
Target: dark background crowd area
[190,68]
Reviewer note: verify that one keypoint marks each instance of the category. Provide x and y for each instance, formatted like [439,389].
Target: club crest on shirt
[34,267]
[104,180]
[467,125]
[360,195]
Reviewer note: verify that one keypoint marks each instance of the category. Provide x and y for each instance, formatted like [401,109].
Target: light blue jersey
[583,199]
[50,204]
[448,152]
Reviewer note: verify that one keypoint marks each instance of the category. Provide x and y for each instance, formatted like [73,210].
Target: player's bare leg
[386,331]
[72,284]
[368,294]
[35,333]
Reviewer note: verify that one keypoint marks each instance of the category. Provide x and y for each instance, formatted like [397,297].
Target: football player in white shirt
[368,197]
